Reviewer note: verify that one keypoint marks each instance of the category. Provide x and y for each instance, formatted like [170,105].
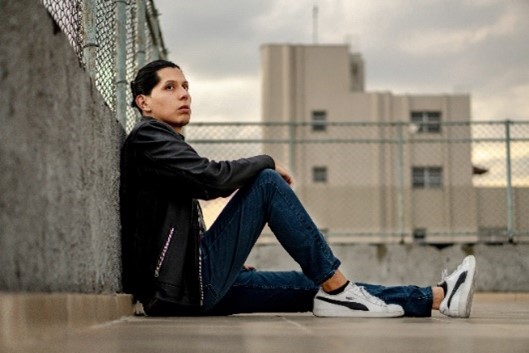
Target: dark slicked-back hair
[147,78]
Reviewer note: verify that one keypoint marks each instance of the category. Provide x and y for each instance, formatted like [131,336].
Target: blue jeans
[229,289]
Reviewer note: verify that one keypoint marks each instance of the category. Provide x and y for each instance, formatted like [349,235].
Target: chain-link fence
[112,38]
[393,182]
[439,182]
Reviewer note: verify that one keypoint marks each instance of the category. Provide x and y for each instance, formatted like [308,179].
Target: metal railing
[113,39]
[482,194]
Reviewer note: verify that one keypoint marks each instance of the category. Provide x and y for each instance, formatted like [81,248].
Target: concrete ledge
[28,317]
[501,268]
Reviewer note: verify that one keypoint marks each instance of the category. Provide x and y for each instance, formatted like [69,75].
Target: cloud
[211,37]
[225,99]
[502,104]
[273,26]
[429,46]
[443,42]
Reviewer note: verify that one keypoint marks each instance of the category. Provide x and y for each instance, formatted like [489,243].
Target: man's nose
[183,93]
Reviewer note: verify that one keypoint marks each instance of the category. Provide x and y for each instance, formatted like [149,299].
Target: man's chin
[178,125]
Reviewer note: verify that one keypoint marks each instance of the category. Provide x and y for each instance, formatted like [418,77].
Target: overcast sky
[409,46]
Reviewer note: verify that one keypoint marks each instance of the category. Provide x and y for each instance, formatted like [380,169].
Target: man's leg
[452,297]
[291,291]
[269,199]
[227,244]
[267,291]
[416,301]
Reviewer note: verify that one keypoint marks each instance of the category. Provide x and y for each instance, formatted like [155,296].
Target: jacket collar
[150,118]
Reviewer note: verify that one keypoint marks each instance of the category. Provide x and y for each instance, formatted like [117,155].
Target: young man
[174,266]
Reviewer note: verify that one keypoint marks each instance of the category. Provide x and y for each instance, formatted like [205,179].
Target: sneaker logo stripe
[460,281]
[350,305]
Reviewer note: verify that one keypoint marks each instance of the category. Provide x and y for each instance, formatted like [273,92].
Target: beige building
[364,162]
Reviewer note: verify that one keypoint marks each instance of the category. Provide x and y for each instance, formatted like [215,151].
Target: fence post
[140,33]
[292,147]
[121,61]
[508,167]
[400,182]
[89,37]
[161,52]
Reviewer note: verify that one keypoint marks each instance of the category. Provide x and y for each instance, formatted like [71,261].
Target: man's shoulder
[151,128]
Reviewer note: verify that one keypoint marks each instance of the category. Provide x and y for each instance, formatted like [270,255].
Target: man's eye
[169,87]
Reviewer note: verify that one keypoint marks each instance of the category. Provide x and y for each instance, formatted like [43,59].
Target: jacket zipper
[163,253]
[201,285]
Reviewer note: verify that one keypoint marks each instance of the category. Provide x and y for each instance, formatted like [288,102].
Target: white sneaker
[354,301]
[459,289]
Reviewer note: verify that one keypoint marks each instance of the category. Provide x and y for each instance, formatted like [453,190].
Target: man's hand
[284,174]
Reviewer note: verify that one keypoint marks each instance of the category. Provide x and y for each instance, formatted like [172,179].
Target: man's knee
[269,175]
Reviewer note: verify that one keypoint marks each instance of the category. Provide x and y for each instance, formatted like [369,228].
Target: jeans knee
[269,175]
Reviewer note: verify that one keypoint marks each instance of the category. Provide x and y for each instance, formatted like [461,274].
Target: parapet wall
[501,268]
[59,154]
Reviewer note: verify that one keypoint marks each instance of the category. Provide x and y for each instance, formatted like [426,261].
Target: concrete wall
[59,154]
[503,268]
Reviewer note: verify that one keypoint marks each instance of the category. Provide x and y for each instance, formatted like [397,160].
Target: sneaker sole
[378,316]
[469,288]
[465,304]
[340,312]
[357,314]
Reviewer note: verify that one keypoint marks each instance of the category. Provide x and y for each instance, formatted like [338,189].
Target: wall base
[31,317]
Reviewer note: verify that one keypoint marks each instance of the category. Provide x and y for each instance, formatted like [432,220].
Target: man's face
[169,101]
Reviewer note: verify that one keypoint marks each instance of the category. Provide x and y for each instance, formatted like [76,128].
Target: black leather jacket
[161,178]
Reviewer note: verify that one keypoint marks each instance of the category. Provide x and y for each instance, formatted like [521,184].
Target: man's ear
[142,103]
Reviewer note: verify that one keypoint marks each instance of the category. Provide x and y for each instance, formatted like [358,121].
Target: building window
[427,121]
[319,120]
[427,177]
[319,174]
[419,235]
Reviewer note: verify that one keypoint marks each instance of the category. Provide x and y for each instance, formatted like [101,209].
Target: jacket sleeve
[164,153]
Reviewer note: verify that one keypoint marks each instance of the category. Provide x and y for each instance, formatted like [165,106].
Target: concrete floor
[499,323]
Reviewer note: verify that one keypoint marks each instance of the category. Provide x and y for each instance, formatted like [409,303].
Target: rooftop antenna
[315,24]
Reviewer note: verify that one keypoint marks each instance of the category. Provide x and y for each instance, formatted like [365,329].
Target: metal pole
[121,61]
[140,39]
[152,18]
[292,147]
[400,176]
[510,199]
[315,24]
[90,44]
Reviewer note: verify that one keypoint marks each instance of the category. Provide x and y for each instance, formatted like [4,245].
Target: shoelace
[368,296]
[445,273]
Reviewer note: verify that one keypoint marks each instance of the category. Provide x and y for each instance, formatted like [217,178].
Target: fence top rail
[351,141]
[355,123]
